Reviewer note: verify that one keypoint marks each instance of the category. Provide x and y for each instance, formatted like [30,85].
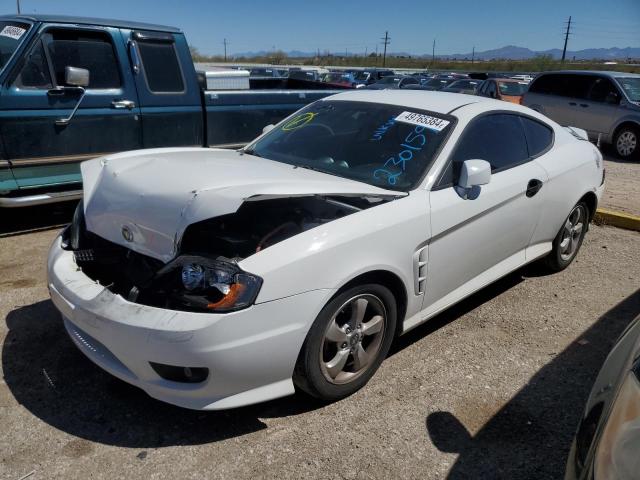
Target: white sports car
[216,278]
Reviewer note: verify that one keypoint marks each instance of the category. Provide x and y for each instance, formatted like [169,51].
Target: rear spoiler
[579,133]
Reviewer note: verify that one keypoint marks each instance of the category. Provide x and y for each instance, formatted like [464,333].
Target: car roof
[440,102]
[106,22]
[607,73]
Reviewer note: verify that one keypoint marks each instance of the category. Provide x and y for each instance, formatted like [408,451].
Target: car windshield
[389,80]
[11,35]
[463,84]
[363,76]
[512,88]
[383,145]
[631,86]
[435,82]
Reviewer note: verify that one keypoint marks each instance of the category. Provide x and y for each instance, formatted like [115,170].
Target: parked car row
[605,104]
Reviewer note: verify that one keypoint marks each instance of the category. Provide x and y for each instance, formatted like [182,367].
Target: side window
[603,90]
[90,50]
[35,72]
[491,89]
[499,139]
[161,67]
[577,86]
[539,137]
[546,84]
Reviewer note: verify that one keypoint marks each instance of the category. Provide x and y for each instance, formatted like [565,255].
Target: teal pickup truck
[77,88]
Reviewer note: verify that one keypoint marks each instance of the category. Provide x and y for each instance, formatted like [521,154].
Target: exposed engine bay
[205,274]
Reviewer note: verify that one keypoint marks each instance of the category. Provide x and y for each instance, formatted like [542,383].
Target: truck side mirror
[473,174]
[76,77]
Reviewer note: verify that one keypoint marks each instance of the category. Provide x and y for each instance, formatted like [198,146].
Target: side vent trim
[420,270]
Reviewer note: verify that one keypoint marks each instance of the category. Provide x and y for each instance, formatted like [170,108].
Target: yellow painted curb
[617,219]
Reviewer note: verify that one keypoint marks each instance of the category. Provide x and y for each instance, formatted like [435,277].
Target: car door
[170,101]
[44,151]
[478,239]
[599,110]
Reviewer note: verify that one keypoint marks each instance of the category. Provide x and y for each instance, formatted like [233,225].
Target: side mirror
[76,77]
[268,128]
[473,174]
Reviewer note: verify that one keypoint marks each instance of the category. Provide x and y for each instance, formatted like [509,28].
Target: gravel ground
[493,388]
[622,192]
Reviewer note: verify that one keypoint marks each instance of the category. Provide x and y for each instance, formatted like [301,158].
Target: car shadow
[51,378]
[16,221]
[531,435]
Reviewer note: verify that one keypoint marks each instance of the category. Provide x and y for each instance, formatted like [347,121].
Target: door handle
[533,187]
[123,104]
[584,105]
[573,104]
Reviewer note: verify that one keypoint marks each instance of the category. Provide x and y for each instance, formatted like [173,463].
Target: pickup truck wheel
[347,342]
[569,239]
[627,142]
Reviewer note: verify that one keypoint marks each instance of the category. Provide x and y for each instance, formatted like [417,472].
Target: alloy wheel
[572,233]
[353,339]
[626,143]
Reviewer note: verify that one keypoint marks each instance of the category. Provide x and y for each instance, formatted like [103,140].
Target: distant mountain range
[510,52]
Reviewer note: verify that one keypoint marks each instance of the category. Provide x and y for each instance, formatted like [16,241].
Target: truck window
[35,72]
[91,50]
[161,67]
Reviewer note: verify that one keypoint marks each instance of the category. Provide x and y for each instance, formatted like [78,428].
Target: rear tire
[347,342]
[569,239]
[626,142]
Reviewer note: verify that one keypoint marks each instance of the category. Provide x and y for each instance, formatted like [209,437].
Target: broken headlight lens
[217,286]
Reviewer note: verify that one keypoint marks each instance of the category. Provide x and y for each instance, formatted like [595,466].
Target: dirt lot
[492,388]
[622,193]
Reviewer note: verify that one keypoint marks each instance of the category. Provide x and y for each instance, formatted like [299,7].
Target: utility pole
[386,41]
[566,39]
[473,54]
[225,43]
[433,52]
[18,2]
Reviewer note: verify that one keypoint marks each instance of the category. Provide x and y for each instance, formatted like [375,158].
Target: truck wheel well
[386,279]
[592,203]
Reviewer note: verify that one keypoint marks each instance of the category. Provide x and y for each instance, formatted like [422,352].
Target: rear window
[539,137]
[161,67]
[564,85]
[512,88]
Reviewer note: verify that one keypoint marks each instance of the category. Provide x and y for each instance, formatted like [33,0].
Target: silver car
[605,104]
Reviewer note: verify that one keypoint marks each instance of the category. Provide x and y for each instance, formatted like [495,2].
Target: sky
[355,26]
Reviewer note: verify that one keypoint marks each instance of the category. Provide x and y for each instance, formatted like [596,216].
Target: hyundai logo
[127,234]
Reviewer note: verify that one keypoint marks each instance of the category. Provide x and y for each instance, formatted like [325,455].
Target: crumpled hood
[144,200]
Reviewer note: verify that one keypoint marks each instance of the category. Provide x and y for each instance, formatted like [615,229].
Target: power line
[386,41]
[566,39]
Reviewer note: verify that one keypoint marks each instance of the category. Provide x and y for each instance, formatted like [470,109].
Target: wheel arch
[591,200]
[387,279]
[625,123]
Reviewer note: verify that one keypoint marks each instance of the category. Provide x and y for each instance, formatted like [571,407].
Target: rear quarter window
[539,137]
[161,67]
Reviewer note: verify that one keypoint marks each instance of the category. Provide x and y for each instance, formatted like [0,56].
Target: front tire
[347,342]
[569,239]
[627,142]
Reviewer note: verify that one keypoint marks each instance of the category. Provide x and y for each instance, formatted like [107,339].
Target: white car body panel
[440,246]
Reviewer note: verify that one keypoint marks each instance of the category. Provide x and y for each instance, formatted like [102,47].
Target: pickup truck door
[170,98]
[44,151]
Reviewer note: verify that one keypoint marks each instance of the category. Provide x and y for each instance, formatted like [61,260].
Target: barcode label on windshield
[433,123]
[12,32]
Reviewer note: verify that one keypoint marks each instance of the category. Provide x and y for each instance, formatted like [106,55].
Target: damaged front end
[205,276]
